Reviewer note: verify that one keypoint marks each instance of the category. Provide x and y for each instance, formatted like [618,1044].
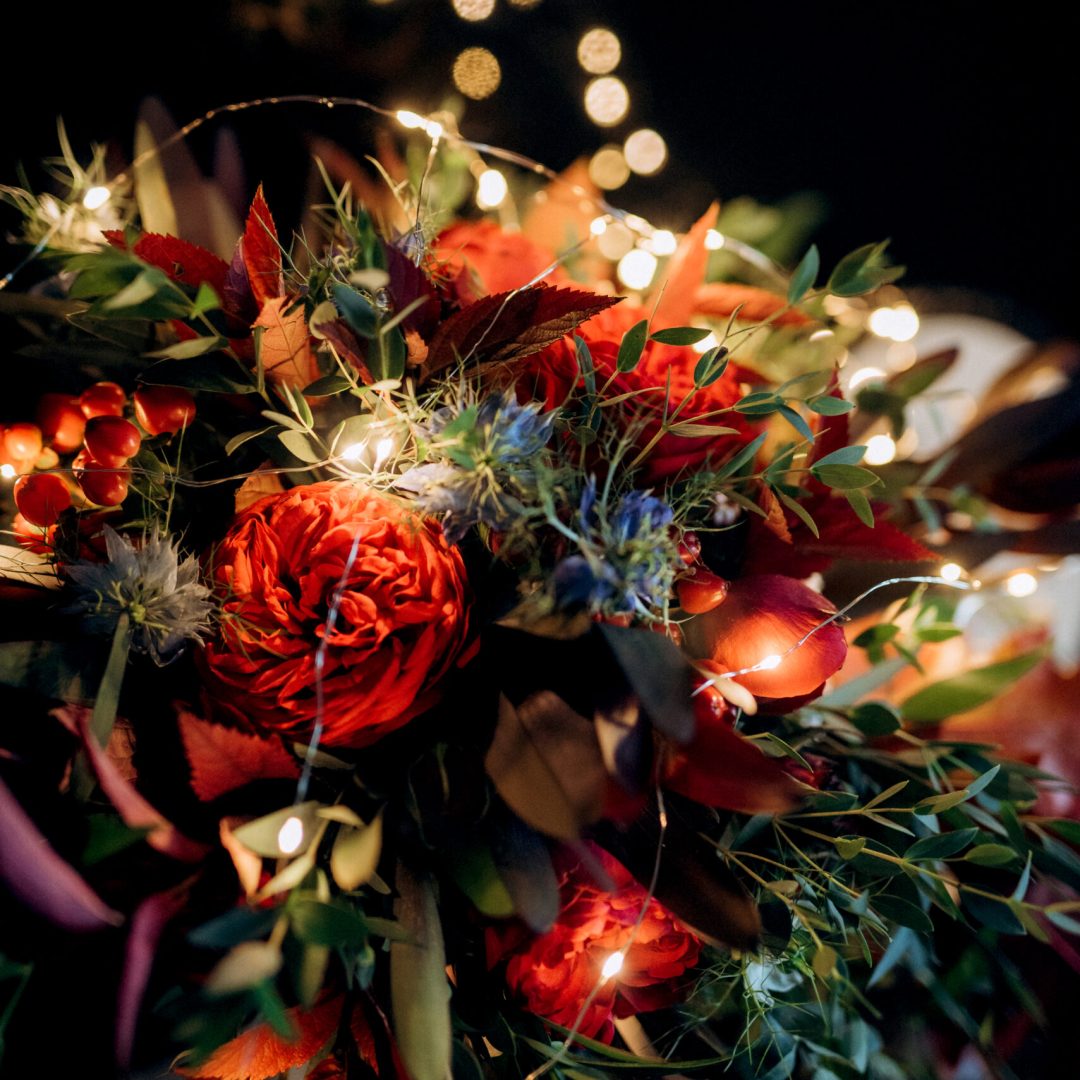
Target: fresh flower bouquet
[419,664]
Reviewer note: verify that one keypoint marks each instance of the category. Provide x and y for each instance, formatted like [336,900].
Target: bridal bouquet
[419,661]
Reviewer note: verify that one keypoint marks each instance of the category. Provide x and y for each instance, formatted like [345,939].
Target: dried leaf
[285,347]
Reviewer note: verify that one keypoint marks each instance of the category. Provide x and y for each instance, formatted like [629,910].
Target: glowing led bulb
[612,965]
[1021,584]
[951,571]
[865,375]
[383,449]
[96,198]
[769,662]
[714,240]
[637,268]
[407,118]
[899,323]
[291,835]
[663,242]
[880,450]
[705,344]
[7,471]
[491,189]
[598,226]
[353,453]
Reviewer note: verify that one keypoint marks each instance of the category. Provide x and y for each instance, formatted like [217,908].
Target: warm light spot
[612,965]
[880,450]
[599,52]
[865,375]
[607,100]
[409,119]
[353,453]
[491,189]
[637,268]
[291,835]
[951,571]
[773,660]
[663,242]
[645,151]
[821,335]
[705,344]
[96,198]
[1021,584]
[714,240]
[474,10]
[383,449]
[477,73]
[899,323]
[598,226]
[7,471]
[615,241]
[524,5]
[608,168]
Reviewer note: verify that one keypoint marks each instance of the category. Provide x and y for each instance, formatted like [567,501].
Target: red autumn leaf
[223,759]
[673,299]
[509,326]
[184,262]
[720,299]
[347,345]
[262,252]
[260,1052]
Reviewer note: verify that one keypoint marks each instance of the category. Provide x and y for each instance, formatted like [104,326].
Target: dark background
[944,126]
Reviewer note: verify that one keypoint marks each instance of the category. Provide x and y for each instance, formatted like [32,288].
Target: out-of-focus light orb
[291,835]
[524,5]
[598,226]
[714,240]
[383,449]
[491,189]
[951,571]
[637,268]
[608,168]
[612,965]
[615,241]
[607,101]
[477,73]
[708,342]
[599,51]
[645,151]
[7,471]
[354,452]
[1021,584]
[900,323]
[474,10]
[663,242]
[865,375]
[96,198]
[880,450]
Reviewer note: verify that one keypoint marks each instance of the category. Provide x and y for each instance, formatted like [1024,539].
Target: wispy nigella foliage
[484,455]
[166,604]
[626,558]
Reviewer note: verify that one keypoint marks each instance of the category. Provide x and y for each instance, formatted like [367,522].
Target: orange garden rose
[556,972]
[401,625]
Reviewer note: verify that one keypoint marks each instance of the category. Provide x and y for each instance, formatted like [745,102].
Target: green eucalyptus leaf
[336,924]
[802,280]
[355,309]
[862,271]
[680,335]
[940,845]
[904,913]
[632,346]
[844,477]
[991,855]
[861,505]
[827,405]
[185,350]
[299,445]
[846,455]
[875,718]
[964,692]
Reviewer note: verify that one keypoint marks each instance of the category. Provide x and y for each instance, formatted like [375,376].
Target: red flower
[557,971]
[762,616]
[554,371]
[402,621]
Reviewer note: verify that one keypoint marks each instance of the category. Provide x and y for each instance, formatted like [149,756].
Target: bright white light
[769,662]
[598,226]
[599,52]
[474,10]
[865,375]
[408,119]
[491,189]
[645,151]
[608,168]
[714,240]
[705,344]
[96,198]
[663,242]
[607,100]
[615,241]
[291,835]
[951,571]
[880,450]
[897,323]
[7,471]
[637,268]
[612,965]
[821,335]
[383,449]
[1021,584]
[353,453]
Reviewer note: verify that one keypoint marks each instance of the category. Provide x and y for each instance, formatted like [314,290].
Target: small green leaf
[796,420]
[741,458]
[585,365]
[336,924]
[213,372]
[849,846]
[940,845]
[244,966]
[904,913]
[355,855]
[632,346]
[938,804]
[875,718]
[824,961]
[798,510]
[844,477]
[759,403]
[991,855]
[693,430]
[240,924]
[846,455]
[711,366]
[967,691]
[680,335]
[185,350]
[237,441]
[827,405]
[861,505]
[802,280]
[862,271]
[298,444]
[205,300]
[327,386]
[881,634]
[355,310]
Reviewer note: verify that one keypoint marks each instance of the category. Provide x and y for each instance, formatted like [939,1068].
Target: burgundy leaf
[262,252]
[407,284]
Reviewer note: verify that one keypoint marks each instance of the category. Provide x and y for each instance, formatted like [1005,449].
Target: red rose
[557,971]
[554,371]
[402,621]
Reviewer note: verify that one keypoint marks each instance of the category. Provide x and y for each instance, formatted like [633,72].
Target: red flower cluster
[557,971]
[402,621]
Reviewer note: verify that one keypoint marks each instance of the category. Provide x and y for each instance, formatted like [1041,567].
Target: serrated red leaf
[262,252]
[509,326]
[720,299]
[674,298]
[184,262]
[223,759]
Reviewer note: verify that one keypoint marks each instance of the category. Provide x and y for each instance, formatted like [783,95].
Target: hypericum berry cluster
[94,428]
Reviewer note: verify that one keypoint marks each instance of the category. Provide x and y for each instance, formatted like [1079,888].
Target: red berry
[163,408]
[111,440]
[701,592]
[106,487]
[103,399]
[689,548]
[41,498]
[22,443]
[32,537]
[62,421]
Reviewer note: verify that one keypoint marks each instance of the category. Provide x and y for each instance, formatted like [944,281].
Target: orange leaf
[674,296]
[775,520]
[262,252]
[223,759]
[286,345]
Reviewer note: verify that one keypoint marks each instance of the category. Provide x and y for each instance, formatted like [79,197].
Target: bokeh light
[607,101]
[599,52]
[646,151]
[714,240]
[608,168]
[477,73]
[474,10]
[1021,584]
[663,242]
[900,323]
[491,189]
[880,450]
[615,241]
[637,268]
